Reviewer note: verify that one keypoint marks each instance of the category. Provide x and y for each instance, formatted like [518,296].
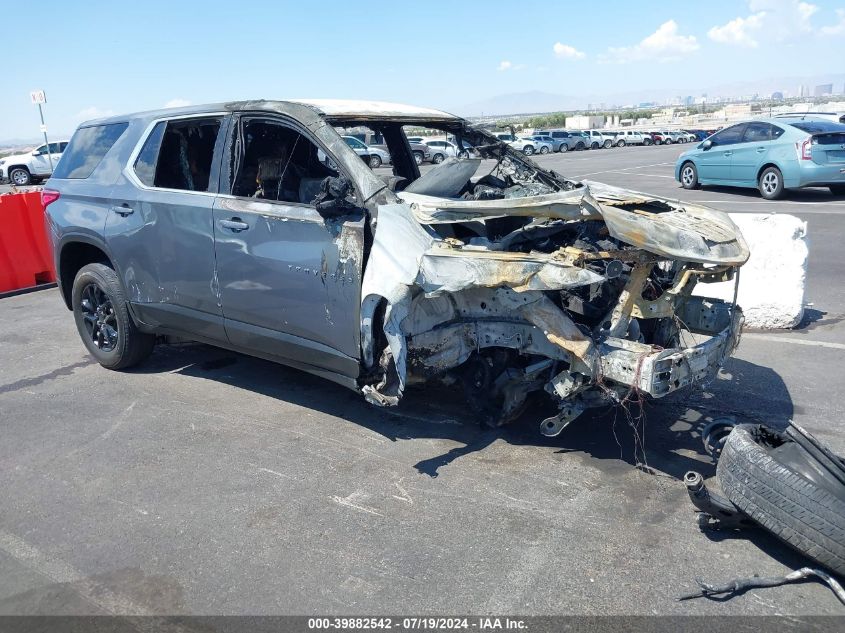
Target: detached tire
[784,488]
[102,318]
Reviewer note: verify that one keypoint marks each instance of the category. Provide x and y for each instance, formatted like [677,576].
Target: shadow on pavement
[659,437]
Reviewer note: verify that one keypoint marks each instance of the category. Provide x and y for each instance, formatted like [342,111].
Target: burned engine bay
[522,282]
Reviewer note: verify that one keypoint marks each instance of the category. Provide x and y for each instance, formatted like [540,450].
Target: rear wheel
[20,176]
[563,147]
[790,484]
[528,150]
[837,190]
[437,159]
[375,161]
[580,146]
[647,141]
[102,318]
[689,176]
[595,145]
[544,149]
[608,144]
[418,158]
[770,183]
[620,144]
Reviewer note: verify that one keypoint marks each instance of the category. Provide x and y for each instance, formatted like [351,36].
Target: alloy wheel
[770,182]
[99,317]
[688,175]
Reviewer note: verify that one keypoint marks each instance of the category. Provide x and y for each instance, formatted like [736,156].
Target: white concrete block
[771,287]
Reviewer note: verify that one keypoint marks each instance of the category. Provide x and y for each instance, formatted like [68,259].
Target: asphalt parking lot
[206,482]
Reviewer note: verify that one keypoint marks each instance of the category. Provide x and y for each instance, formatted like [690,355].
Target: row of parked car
[547,141]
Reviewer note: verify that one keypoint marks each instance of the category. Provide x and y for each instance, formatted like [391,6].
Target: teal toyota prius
[771,155]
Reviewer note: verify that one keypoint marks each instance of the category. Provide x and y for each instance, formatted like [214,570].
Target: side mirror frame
[705,145]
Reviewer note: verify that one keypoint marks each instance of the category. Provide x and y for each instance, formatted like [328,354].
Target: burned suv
[220,224]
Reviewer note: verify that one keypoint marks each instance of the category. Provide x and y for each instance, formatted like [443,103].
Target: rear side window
[87,148]
[818,127]
[178,154]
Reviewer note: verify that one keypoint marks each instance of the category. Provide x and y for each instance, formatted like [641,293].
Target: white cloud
[838,28]
[507,65]
[93,112]
[565,51]
[664,45]
[768,20]
[740,31]
[177,103]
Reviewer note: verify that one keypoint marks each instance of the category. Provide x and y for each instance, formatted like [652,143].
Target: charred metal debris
[522,282]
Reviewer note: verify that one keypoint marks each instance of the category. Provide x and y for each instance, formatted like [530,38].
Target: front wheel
[689,176]
[564,147]
[528,150]
[620,144]
[418,158]
[580,146]
[20,176]
[102,318]
[437,159]
[544,150]
[595,145]
[647,142]
[770,183]
[608,144]
[375,161]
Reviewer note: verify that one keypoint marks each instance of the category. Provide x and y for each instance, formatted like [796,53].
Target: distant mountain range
[537,101]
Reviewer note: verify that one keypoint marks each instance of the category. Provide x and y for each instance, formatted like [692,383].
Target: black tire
[837,190]
[20,176]
[608,144]
[668,141]
[128,346]
[595,145]
[689,176]
[544,149]
[647,142]
[620,144]
[580,146]
[418,158]
[767,486]
[528,150]
[375,161]
[438,158]
[563,147]
[770,183]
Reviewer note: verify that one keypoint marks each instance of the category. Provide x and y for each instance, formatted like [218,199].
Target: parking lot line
[795,341]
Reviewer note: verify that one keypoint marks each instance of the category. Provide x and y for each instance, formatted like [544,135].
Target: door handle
[123,210]
[728,153]
[760,150]
[235,225]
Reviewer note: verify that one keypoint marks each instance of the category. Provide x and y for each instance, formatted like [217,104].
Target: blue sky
[110,57]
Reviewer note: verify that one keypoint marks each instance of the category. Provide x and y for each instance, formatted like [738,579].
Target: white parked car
[376,156]
[598,139]
[31,167]
[521,143]
[630,137]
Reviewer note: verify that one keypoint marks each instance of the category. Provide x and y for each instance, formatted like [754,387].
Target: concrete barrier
[25,257]
[771,287]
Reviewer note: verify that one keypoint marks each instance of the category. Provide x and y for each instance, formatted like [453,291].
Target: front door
[159,227]
[751,153]
[715,163]
[290,278]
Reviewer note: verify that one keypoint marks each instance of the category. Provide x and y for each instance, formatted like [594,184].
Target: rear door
[715,163]
[752,151]
[290,278]
[160,225]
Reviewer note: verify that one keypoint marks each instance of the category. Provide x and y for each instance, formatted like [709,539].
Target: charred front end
[521,281]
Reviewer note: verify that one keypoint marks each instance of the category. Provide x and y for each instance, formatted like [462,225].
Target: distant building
[585,122]
[777,95]
[822,90]
[803,91]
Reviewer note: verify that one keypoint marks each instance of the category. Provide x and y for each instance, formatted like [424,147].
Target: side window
[757,133]
[62,146]
[728,136]
[42,149]
[776,131]
[55,148]
[178,154]
[278,163]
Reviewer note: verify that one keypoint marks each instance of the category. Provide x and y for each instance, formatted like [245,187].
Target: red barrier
[25,256]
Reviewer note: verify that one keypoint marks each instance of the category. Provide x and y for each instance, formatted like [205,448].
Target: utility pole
[38,97]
